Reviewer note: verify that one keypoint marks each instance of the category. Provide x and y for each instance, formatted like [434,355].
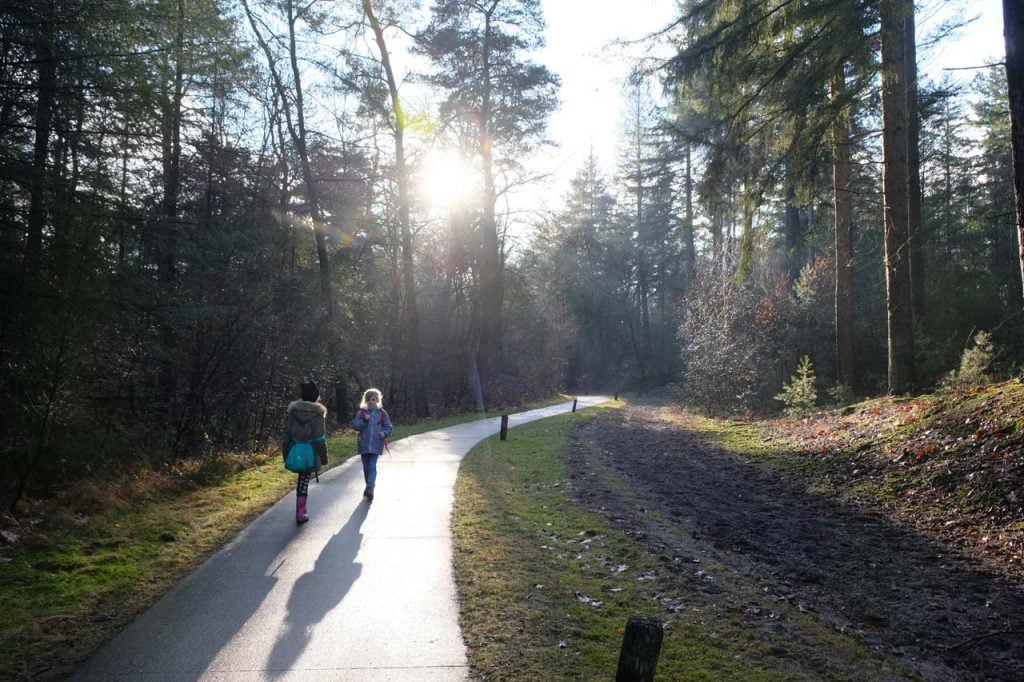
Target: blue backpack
[301,457]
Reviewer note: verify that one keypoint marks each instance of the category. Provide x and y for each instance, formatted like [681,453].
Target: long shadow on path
[183,633]
[318,591]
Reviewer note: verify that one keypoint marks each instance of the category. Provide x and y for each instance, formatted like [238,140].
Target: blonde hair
[367,393]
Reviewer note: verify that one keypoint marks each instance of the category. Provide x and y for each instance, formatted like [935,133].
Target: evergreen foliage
[842,394]
[799,393]
[975,364]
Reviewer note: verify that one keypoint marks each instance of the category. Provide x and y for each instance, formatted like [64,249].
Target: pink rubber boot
[300,509]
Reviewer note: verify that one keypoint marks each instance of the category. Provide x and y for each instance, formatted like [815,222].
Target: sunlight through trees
[205,202]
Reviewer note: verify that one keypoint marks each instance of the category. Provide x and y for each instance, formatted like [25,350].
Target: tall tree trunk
[845,365]
[491,293]
[794,231]
[918,265]
[171,156]
[65,191]
[308,179]
[747,245]
[899,306]
[688,240]
[717,226]
[171,166]
[408,274]
[295,121]
[1013,33]
[640,219]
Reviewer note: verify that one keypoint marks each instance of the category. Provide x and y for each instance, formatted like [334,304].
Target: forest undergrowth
[949,464]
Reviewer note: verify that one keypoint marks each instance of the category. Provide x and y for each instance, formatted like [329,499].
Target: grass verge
[81,576]
[546,586]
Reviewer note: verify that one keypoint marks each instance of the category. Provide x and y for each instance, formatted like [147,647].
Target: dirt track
[937,612]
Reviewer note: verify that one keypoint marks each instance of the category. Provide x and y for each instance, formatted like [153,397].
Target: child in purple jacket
[374,426]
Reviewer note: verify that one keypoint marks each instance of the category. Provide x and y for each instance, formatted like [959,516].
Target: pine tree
[480,57]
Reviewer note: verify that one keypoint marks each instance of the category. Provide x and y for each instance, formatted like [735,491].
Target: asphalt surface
[360,592]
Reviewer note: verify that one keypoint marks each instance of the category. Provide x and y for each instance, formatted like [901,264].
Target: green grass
[745,438]
[103,552]
[80,578]
[546,586]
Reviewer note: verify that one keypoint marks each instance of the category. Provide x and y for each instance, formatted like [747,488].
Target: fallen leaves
[948,463]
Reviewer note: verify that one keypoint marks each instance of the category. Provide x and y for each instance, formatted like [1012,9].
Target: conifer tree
[1013,33]
[895,140]
[480,52]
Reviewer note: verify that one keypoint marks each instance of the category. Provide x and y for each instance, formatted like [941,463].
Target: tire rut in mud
[938,612]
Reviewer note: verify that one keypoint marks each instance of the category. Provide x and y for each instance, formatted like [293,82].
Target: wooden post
[504,426]
[574,404]
[640,648]
[616,396]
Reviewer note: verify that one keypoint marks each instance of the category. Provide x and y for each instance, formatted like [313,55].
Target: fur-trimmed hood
[305,423]
[303,410]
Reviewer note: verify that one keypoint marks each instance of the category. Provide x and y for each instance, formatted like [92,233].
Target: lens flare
[445,179]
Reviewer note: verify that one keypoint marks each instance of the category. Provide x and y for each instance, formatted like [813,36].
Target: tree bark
[491,290]
[66,177]
[402,173]
[308,179]
[747,246]
[845,355]
[297,132]
[794,232]
[1013,34]
[899,305]
[167,240]
[171,155]
[691,247]
[640,218]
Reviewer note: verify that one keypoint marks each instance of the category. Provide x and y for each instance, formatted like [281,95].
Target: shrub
[975,364]
[842,394]
[735,341]
[799,394]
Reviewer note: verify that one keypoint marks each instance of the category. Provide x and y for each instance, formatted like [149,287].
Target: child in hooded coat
[374,426]
[305,423]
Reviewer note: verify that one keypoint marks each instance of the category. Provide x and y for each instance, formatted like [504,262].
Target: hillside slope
[951,465]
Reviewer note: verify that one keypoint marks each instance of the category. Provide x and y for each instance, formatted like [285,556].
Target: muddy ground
[940,613]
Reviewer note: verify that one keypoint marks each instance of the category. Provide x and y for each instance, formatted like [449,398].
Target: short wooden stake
[641,646]
[574,404]
[504,426]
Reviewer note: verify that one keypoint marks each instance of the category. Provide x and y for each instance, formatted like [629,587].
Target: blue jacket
[373,429]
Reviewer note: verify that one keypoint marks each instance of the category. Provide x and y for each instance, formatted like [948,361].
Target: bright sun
[444,179]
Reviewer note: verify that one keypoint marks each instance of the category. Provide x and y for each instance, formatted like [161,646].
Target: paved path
[361,592]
